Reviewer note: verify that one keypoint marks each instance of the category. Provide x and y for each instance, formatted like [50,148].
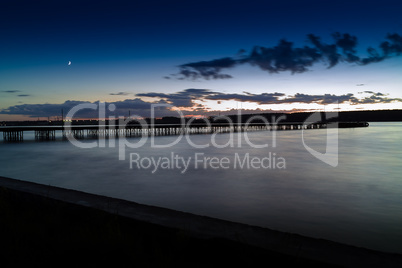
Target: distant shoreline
[341,116]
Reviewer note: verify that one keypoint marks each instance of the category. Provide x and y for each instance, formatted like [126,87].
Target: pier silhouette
[16,133]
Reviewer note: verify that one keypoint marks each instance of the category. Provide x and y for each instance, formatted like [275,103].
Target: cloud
[281,98]
[207,69]
[16,91]
[393,45]
[185,100]
[320,99]
[284,57]
[135,107]
[264,98]
[10,91]
[376,97]
[373,93]
[119,94]
[39,110]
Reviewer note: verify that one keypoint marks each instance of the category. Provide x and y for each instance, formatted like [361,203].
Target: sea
[343,185]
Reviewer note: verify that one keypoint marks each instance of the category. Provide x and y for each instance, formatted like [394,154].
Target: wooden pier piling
[45,134]
[13,135]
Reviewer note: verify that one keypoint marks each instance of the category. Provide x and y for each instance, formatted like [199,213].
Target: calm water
[359,202]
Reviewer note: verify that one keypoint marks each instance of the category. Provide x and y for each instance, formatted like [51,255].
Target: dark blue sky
[124,50]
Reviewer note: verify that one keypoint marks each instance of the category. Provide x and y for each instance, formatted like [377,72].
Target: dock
[16,133]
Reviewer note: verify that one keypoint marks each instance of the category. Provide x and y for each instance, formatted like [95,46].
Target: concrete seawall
[206,227]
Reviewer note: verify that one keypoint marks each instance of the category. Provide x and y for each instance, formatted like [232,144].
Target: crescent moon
[69,62]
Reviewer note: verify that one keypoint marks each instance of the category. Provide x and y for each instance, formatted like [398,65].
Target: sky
[201,58]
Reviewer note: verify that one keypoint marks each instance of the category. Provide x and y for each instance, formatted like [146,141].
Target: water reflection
[358,202]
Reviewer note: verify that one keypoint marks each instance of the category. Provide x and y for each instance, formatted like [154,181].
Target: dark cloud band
[10,91]
[187,97]
[186,100]
[119,94]
[284,57]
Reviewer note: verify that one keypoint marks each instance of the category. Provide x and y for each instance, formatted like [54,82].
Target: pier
[16,133]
